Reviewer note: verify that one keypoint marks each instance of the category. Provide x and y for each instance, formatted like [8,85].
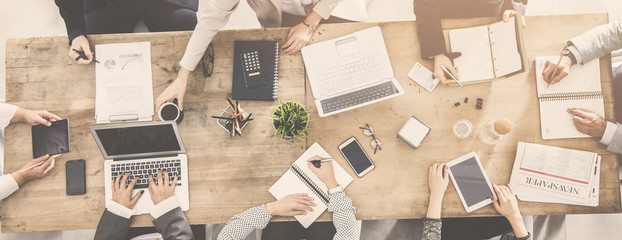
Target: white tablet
[471,181]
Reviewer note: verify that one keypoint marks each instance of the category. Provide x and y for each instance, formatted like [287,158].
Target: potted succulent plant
[290,120]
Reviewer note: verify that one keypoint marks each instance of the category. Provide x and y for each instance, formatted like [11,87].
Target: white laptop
[350,72]
[143,148]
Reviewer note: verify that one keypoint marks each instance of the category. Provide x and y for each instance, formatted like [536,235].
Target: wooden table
[229,175]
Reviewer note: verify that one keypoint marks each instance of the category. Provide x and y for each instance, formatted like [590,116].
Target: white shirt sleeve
[7,186]
[610,130]
[119,209]
[164,207]
[7,111]
[210,19]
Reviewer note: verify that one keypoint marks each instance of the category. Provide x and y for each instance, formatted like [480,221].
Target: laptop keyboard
[350,74]
[358,97]
[142,170]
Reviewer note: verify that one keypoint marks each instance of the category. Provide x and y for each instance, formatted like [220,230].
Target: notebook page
[475,63]
[556,123]
[343,178]
[581,78]
[505,55]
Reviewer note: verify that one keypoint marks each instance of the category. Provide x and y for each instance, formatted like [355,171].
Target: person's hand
[562,70]
[122,193]
[81,43]
[297,38]
[291,205]
[177,89]
[325,172]
[163,189]
[34,117]
[507,205]
[45,164]
[443,60]
[510,13]
[588,122]
[438,179]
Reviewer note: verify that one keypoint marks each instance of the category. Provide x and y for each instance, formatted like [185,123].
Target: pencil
[33,166]
[557,66]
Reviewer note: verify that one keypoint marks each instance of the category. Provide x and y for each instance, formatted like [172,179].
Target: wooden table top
[228,176]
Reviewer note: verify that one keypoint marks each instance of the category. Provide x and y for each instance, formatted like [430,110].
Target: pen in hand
[450,75]
[317,163]
[82,55]
[555,71]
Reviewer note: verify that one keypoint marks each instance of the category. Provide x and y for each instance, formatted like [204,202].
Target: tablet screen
[471,181]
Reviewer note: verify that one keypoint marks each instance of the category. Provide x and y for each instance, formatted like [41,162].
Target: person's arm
[299,35]
[590,123]
[339,203]
[438,179]
[507,205]
[596,42]
[240,225]
[170,220]
[344,217]
[115,222]
[34,117]
[73,14]
[211,17]
[8,186]
[612,137]
[7,114]
[429,28]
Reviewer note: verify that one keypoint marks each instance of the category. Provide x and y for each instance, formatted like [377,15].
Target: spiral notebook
[300,179]
[490,51]
[580,89]
[269,51]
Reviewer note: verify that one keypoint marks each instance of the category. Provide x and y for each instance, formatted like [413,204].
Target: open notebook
[488,52]
[580,89]
[300,179]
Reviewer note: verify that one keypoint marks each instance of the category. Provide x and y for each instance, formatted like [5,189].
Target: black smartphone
[76,177]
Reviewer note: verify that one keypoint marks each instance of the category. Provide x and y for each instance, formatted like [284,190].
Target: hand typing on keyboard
[162,189]
[122,192]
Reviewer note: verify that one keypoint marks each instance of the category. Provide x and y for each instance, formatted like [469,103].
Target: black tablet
[51,140]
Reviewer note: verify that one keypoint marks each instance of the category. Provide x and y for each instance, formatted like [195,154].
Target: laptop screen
[132,140]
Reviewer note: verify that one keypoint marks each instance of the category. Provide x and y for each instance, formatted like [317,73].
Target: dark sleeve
[429,28]
[73,15]
[173,225]
[432,229]
[112,226]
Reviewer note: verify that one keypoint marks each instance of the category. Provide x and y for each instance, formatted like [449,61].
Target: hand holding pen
[444,68]
[325,172]
[80,51]
[554,73]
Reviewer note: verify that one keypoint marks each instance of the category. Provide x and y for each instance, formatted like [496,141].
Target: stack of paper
[556,175]
[124,88]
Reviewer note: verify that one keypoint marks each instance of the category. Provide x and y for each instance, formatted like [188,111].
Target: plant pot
[274,124]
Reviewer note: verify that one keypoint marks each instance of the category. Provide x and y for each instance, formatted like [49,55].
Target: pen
[556,66]
[452,76]
[82,55]
[314,162]
[38,164]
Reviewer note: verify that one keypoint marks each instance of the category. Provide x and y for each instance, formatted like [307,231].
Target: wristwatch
[569,54]
[337,189]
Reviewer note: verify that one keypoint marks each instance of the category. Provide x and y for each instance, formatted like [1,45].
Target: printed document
[124,87]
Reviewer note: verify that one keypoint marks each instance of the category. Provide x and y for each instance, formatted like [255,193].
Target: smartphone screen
[76,182]
[356,156]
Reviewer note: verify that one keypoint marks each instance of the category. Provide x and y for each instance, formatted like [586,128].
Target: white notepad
[580,89]
[488,52]
[300,179]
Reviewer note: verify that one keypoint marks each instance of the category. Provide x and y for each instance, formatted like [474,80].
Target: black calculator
[253,69]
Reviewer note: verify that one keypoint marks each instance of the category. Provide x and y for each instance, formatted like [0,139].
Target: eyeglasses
[368,130]
[207,70]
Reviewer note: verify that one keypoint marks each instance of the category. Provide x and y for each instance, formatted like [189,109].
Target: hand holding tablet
[471,181]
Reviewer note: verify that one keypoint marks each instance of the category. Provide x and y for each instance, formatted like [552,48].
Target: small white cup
[165,106]
[462,128]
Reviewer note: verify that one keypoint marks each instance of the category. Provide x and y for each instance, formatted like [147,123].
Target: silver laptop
[350,72]
[143,148]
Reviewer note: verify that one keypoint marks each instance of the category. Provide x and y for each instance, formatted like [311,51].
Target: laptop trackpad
[347,47]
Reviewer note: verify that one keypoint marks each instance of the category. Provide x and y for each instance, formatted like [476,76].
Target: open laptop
[350,71]
[143,148]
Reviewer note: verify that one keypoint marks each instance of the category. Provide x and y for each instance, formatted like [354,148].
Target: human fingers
[46,166]
[440,74]
[83,61]
[289,42]
[123,184]
[508,14]
[166,179]
[113,184]
[180,101]
[136,197]
[561,73]
[580,122]
[295,213]
[290,33]
[453,71]
[298,43]
[495,203]
[316,157]
[159,177]
[151,182]
[133,183]
[40,120]
[445,172]
[549,67]
[299,206]
[116,181]
[499,192]
[581,113]
[87,50]
[302,44]
[50,166]
[439,169]
[72,54]
[50,116]
[175,179]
